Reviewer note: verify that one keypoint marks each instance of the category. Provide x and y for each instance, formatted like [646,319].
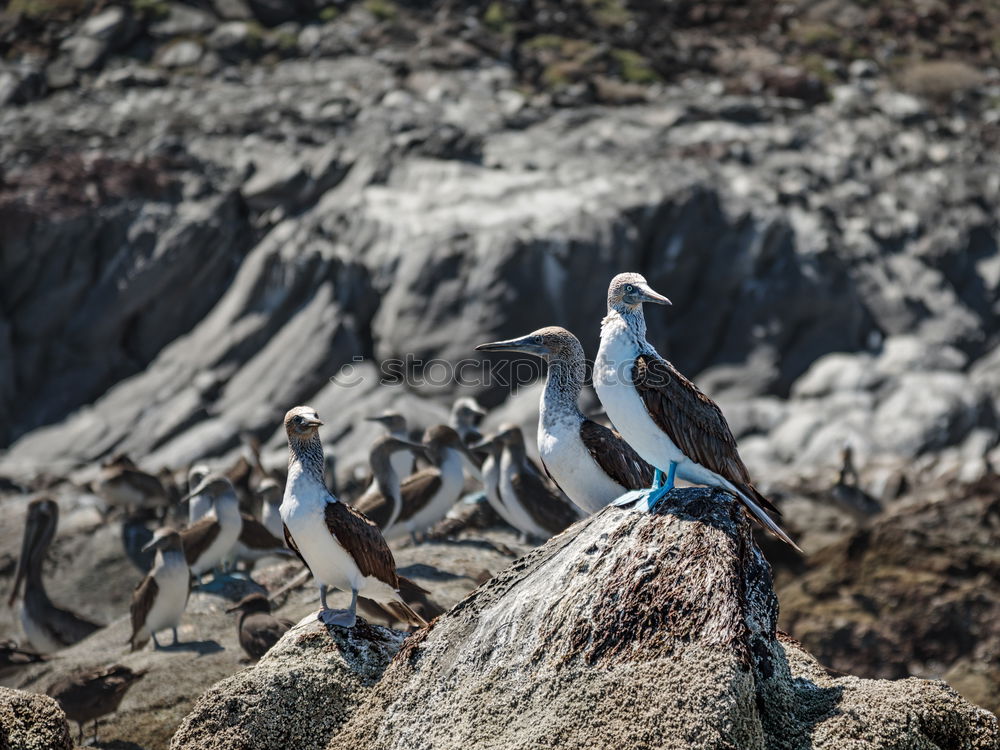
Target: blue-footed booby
[670,423]
[93,693]
[338,544]
[122,484]
[492,449]
[536,508]
[258,629]
[47,627]
[198,503]
[395,425]
[591,464]
[465,418]
[160,599]
[382,502]
[210,539]
[430,493]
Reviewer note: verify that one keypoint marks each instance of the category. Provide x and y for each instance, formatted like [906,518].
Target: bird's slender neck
[306,456]
[387,483]
[628,317]
[562,390]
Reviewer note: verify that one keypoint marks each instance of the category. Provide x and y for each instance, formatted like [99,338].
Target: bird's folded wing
[615,457]
[363,541]
[198,537]
[692,421]
[417,490]
[142,601]
[545,506]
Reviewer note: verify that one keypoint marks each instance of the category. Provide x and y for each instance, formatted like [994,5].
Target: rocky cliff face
[628,629]
[227,242]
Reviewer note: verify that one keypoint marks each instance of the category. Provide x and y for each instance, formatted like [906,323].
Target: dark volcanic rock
[915,592]
[586,640]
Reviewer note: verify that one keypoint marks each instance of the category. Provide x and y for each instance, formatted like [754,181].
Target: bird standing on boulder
[122,484]
[670,423]
[430,493]
[47,627]
[590,463]
[382,502]
[210,539]
[160,599]
[258,629]
[338,544]
[395,425]
[270,493]
[93,693]
[537,509]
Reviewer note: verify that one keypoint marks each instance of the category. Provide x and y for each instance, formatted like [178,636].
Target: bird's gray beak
[646,294]
[310,422]
[380,420]
[151,544]
[523,344]
[483,446]
[418,448]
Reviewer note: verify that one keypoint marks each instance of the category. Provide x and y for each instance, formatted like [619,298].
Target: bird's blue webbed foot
[652,494]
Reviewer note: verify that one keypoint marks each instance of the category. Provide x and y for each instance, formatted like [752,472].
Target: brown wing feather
[615,457]
[256,536]
[693,421]
[545,506]
[417,490]
[198,537]
[142,601]
[363,542]
[375,506]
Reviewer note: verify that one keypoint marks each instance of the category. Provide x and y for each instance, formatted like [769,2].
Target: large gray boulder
[32,722]
[632,630]
[297,695]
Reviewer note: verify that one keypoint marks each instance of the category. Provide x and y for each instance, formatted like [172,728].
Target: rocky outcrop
[297,695]
[32,722]
[915,592]
[632,630]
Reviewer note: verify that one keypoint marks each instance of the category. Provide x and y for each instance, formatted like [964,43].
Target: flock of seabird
[664,429]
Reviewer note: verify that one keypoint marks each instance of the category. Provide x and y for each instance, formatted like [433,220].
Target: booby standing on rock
[198,503]
[492,449]
[210,539]
[160,599]
[465,418]
[538,510]
[430,493]
[93,693]
[662,414]
[337,543]
[590,463]
[395,425]
[122,484]
[47,627]
[270,493]
[258,629]
[382,502]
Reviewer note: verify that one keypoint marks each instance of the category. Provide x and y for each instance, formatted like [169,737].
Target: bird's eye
[629,288]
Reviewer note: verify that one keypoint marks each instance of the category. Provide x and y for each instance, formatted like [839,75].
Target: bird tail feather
[765,520]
